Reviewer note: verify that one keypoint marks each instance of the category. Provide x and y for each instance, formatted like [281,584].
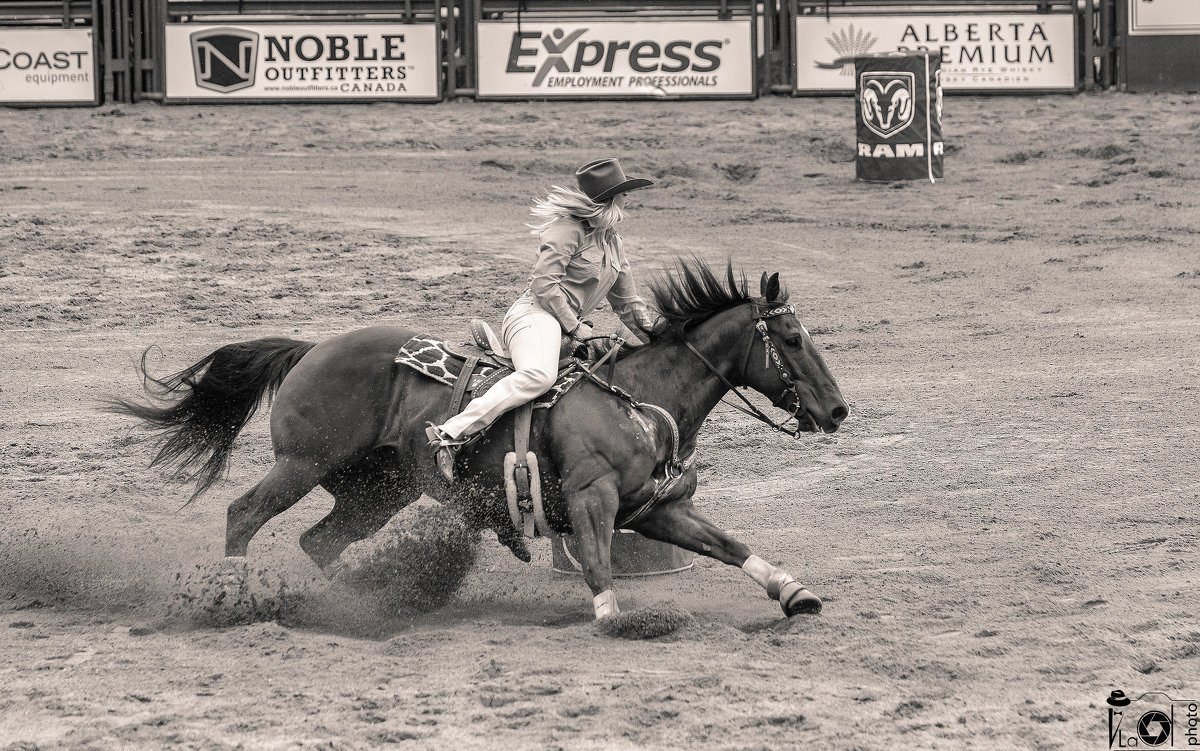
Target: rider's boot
[445,449]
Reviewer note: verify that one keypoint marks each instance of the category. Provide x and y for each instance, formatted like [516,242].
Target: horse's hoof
[516,544]
[233,569]
[799,601]
[514,541]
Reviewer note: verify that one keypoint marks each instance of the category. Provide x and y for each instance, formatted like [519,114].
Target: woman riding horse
[618,453]
[580,262]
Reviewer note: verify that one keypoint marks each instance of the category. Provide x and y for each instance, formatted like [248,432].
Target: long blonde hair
[560,202]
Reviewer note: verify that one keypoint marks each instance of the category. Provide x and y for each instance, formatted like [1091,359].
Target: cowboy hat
[602,179]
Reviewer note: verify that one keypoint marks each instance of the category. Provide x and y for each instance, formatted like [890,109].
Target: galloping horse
[615,453]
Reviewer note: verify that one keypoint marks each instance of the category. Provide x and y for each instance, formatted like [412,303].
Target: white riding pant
[533,338]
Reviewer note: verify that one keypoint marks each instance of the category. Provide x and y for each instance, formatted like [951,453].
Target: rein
[760,326]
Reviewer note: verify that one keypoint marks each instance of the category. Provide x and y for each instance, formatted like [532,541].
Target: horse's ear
[770,287]
[762,285]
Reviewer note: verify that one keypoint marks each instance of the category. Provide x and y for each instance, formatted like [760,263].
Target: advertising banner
[590,59]
[302,61]
[1152,17]
[979,52]
[898,117]
[47,65]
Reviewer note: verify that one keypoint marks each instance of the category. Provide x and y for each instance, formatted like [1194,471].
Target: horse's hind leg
[365,497]
[288,481]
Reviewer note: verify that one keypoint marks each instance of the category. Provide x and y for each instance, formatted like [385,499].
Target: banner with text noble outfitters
[979,52]
[302,61]
[52,66]
[590,59]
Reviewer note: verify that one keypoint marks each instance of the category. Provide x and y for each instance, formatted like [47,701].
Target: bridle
[761,313]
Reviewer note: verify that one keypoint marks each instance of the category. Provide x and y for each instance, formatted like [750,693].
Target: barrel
[632,555]
[898,112]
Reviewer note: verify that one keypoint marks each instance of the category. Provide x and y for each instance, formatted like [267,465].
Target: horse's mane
[693,293]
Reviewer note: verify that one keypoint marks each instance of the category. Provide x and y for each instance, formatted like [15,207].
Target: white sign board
[979,51]
[581,58]
[47,65]
[1147,17]
[302,61]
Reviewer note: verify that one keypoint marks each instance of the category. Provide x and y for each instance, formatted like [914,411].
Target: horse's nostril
[839,413]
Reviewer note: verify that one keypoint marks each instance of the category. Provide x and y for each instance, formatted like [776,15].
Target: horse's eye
[794,341]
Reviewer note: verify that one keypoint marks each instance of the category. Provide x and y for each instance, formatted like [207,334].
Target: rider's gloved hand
[646,324]
[582,331]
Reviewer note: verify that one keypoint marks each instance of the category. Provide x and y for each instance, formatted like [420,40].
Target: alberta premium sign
[590,59]
[983,52]
[47,66]
[303,61]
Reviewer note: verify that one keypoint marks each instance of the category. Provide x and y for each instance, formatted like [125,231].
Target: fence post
[112,25]
[147,19]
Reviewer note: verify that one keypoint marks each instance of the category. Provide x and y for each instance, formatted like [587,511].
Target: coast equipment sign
[48,66]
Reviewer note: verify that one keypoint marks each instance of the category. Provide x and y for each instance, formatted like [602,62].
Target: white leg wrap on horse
[758,570]
[782,586]
[233,563]
[605,604]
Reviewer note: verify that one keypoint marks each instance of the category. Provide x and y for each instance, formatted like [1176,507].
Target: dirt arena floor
[1004,530]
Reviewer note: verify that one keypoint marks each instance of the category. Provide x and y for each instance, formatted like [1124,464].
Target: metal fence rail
[64,13]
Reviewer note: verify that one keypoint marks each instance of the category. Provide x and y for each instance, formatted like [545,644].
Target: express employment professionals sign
[1008,51]
[581,58]
[302,61]
[47,65]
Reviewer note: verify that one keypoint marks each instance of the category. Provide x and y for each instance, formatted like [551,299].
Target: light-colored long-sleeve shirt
[575,270]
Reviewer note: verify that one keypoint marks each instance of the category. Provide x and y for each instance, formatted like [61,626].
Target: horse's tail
[200,410]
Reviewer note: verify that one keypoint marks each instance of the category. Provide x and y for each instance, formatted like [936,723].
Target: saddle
[471,368]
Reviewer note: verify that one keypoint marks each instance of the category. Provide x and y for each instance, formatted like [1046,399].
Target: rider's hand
[582,331]
[646,324]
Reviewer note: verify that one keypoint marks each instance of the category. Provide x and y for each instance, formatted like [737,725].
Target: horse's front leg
[592,511]
[679,523]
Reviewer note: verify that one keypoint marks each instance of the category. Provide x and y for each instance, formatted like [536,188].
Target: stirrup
[445,449]
[438,439]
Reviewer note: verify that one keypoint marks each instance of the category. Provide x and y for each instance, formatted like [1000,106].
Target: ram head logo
[887,101]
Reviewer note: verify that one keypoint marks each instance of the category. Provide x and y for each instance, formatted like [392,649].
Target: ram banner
[589,59]
[979,52]
[899,117]
[54,66]
[310,61]
[1152,17]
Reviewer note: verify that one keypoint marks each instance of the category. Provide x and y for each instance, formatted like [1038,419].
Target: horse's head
[782,363]
[755,341]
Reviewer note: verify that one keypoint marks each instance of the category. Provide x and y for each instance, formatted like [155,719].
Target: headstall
[761,314]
